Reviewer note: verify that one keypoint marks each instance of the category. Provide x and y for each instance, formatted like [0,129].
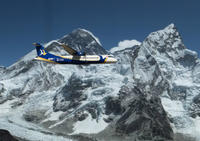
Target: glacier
[151,93]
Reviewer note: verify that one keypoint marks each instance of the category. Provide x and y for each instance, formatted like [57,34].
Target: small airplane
[74,57]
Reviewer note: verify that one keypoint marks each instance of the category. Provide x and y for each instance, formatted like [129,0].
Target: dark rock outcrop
[82,40]
[6,136]
[144,117]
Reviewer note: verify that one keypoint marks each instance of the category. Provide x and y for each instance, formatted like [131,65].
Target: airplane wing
[69,50]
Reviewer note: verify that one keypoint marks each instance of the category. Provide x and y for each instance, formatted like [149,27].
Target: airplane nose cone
[114,60]
[111,60]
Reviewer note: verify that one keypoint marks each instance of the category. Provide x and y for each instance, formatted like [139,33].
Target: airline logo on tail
[43,52]
[40,49]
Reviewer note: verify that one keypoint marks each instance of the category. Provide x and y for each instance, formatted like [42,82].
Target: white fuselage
[88,58]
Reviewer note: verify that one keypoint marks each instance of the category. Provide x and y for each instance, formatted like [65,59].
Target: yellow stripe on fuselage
[43,59]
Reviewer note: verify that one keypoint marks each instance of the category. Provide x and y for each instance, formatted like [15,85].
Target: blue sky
[26,21]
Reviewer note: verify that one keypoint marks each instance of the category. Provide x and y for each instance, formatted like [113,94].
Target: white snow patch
[54,116]
[125,44]
[29,56]
[5,108]
[184,79]
[191,129]
[31,133]
[184,82]
[49,43]
[11,120]
[189,126]
[173,107]
[196,130]
[89,125]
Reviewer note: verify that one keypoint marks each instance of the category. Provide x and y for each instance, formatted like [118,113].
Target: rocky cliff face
[151,93]
[83,40]
[6,136]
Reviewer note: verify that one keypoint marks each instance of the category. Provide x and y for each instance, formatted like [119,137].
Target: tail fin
[40,49]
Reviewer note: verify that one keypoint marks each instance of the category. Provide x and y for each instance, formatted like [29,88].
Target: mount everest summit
[151,93]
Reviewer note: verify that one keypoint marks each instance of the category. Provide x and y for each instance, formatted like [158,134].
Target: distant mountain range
[151,93]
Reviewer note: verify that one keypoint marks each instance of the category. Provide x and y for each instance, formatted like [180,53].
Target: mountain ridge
[129,99]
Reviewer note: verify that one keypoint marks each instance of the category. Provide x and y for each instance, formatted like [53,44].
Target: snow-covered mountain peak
[170,26]
[90,33]
[83,40]
[168,35]
[165,67]
[164,48]
[165,43]
[122,101]
[2,68]
[167,46]
[79,39]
